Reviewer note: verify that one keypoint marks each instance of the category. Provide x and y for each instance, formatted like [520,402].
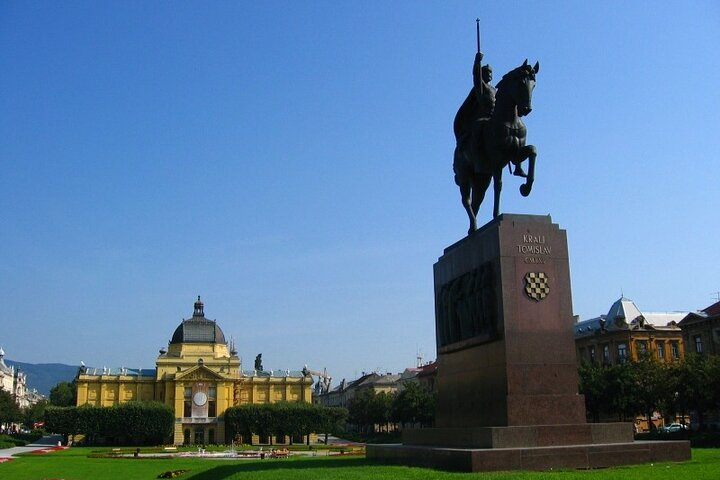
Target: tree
[414,404]
[34,413]
[381,409]
[62,420]
[699,385]
[594,386]
[64,394]
[368,408]
[651,386]
[9,410]
[141,423]
[360,410]
[331,419]
[280,419]
[620,391]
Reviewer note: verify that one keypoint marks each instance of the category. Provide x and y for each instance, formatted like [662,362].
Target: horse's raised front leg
[530,152]
[497,188]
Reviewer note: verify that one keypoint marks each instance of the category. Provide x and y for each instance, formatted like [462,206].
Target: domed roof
[198,329]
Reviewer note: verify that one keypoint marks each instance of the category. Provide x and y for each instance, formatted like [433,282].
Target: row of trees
[282,418]
[132,423]
[9,410]
[647,386]
[413,405]
[61,395]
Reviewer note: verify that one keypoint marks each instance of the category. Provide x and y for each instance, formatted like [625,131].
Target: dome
[198,329]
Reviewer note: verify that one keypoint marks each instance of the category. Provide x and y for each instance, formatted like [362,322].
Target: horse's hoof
[525,189]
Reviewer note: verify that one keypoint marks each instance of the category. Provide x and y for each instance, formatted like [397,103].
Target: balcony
[199,420]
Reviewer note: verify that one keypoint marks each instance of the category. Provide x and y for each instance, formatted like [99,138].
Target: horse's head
[519,84]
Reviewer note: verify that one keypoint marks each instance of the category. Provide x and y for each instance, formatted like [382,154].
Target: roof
[3,367]
[709,312]
[274,373]
[624,309]
[625,315]
[713,309]
[131,372]
[198,329]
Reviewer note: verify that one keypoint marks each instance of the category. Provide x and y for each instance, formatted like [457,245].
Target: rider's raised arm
[477,74]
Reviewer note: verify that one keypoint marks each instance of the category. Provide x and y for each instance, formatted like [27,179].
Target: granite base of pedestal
[521,436]
[531,458]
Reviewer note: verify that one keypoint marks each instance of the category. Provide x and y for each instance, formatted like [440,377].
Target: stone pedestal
[507,372]
[506,354]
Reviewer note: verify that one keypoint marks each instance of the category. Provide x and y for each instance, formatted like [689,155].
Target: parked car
[674,427]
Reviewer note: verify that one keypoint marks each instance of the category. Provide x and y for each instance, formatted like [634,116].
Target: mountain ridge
[44,376]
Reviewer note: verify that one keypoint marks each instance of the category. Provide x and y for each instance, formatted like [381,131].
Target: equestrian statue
[490,134]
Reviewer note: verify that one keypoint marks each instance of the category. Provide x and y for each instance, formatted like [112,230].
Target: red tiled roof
[713,309]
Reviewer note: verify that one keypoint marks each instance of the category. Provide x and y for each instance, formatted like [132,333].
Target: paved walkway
[44,442]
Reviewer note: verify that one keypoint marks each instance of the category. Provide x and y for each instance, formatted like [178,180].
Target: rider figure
[478,105]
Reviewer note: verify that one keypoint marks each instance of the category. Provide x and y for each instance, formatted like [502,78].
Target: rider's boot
[519,172]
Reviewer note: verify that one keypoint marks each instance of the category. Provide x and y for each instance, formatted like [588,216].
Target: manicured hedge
[131,423]
[282,418]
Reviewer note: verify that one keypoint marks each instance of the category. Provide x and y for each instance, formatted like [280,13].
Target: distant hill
[44,376]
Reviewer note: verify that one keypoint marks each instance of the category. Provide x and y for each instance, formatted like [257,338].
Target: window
[642,347]
[661,350]
[698,343]
[622,352]
[592,354]
[187,404]
[606,354]
[675,350]
[212,401]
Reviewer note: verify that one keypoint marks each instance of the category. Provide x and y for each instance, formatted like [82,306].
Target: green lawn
[74,464]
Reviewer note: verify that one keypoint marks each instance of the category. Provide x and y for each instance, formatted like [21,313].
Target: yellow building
[200,376]
[626,333]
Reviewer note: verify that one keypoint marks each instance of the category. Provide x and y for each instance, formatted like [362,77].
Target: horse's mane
[515,73]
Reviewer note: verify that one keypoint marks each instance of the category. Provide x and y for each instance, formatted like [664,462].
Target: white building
[14,381]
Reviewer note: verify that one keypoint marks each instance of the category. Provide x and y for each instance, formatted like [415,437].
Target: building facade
[200,376]
[701,330]
[341,395]
[626,333]
[15,381]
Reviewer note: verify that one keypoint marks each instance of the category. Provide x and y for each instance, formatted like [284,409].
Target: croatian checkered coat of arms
[536,285]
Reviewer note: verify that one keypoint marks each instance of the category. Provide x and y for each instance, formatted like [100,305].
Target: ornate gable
[199,372]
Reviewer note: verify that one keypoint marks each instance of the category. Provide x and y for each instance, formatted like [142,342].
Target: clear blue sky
[291,163]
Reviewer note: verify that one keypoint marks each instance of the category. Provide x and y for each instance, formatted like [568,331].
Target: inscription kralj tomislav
[490,134]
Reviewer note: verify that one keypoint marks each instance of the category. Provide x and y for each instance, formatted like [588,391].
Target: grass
[74,464]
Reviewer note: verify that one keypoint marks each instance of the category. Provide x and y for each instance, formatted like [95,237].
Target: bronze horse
[497,141]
